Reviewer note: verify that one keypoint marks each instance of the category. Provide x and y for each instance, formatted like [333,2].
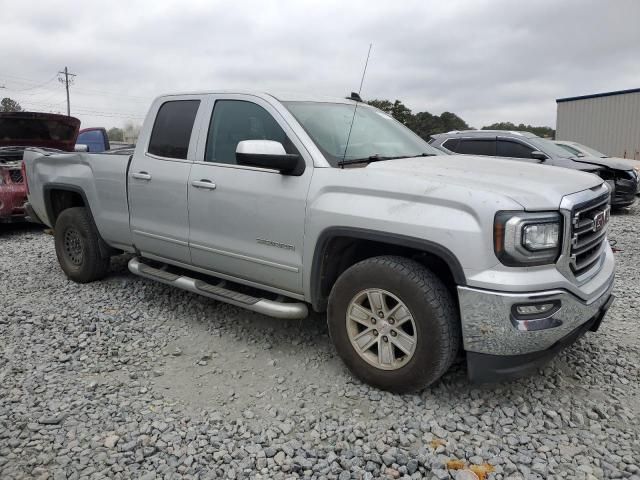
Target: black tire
[77,246]
[434,312]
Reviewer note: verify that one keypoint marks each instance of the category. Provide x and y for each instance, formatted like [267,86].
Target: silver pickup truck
[276,203]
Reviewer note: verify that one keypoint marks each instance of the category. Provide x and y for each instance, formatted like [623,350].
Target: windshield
[590,151]
[571,149]
[550,148]
[374,133]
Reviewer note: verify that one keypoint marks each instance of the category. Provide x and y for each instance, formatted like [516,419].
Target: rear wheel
[77,246]
[394,323]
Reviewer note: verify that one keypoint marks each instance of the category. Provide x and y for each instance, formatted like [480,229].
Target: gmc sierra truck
[279,204]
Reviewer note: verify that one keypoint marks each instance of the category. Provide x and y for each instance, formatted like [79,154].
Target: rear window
[172,129]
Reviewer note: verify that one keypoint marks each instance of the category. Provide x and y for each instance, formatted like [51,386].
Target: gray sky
[486,61]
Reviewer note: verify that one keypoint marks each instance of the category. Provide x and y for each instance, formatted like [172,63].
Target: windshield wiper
[378,158]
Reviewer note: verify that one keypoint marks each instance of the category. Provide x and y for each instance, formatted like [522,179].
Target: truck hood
[34,129]
[535,187]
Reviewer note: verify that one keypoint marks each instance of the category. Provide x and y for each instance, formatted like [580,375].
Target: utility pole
[66,80]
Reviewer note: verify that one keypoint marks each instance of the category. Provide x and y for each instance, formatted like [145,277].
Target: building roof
[596,95]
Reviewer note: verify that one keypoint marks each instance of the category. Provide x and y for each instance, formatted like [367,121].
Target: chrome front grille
[589,225]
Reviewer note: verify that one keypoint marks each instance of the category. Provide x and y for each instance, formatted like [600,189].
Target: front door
[247,222]
[158,177]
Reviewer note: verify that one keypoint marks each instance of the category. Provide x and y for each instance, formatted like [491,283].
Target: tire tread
[440,301]
[96,266]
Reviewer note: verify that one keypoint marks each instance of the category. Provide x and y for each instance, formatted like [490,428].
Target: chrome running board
[220,292]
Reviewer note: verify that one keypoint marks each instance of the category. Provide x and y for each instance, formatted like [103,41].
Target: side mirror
[80,147]
[268,154]
[538,155]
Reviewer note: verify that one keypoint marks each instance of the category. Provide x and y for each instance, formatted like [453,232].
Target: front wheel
[77,246]
[394,323]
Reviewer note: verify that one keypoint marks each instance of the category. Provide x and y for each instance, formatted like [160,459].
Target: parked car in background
[280,204]
[583,151]
[19,130]
[527,147]
[95,139]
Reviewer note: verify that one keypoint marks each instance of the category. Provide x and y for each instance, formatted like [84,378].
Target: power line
[36,86]
[83,111]
[26,81]
[66,78]
[66,85]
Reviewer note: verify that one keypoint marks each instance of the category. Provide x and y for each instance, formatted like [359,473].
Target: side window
[477,146]
[509,148]
[172,129]
[236,120]
[451,144]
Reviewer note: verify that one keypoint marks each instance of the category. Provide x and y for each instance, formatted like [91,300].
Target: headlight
[527,238]
[541,236]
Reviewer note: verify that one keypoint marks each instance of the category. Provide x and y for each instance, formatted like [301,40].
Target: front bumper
[491,327]
[624,192]
[484,368]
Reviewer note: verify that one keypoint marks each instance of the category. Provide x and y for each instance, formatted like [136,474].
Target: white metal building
[608,122]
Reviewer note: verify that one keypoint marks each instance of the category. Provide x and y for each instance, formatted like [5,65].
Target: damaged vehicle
[19,130]
[527,147]
[581,151]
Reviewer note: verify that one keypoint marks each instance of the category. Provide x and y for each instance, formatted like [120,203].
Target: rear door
[247,222]
[158,177]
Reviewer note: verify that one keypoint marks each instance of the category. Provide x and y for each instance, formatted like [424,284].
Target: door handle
[141,176]
[204,183]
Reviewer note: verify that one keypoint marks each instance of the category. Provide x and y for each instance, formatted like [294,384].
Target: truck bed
[101,178]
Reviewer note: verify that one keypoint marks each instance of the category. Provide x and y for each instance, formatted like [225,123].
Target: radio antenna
[364,72]
[358,99]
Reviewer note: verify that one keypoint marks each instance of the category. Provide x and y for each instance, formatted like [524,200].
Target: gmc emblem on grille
[600,220]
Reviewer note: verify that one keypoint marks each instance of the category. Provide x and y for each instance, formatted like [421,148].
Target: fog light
[534,309]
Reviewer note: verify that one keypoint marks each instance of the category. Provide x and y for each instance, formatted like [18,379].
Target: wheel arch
[351,245]
[61,196]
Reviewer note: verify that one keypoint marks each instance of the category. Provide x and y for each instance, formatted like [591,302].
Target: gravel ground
[126,378]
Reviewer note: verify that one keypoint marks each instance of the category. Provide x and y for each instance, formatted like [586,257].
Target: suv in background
[525,146]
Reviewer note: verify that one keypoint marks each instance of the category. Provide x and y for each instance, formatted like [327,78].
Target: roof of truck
[281,96]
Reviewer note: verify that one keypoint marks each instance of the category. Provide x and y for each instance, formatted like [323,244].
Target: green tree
[397,109]
[546,132]
[450,121]
[424,124]
[131,132]
[9,105]
[115,134]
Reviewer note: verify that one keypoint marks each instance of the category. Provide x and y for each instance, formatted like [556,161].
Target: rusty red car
[18,131]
